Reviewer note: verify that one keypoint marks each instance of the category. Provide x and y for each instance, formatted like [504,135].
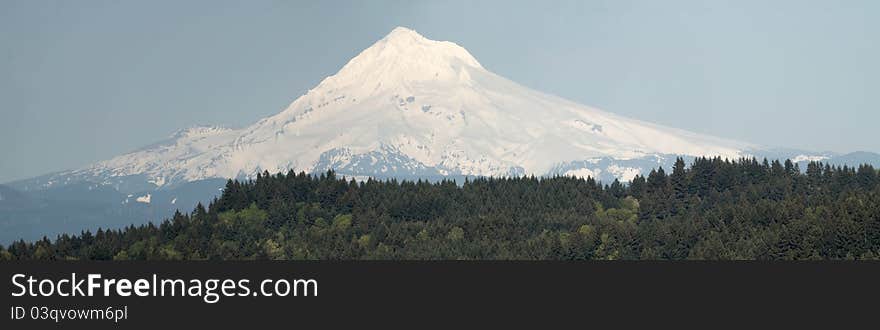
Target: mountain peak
[407,45]
[402,57]
[404,34]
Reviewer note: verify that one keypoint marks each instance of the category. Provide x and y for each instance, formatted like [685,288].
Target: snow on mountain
[144,199]
[809,158]
[410,106]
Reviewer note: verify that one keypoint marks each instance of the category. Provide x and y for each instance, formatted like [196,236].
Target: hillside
[715,209]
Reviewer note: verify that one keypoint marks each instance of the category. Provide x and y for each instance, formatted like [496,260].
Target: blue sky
[82,81]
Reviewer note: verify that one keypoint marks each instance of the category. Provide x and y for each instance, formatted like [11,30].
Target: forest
[714,209]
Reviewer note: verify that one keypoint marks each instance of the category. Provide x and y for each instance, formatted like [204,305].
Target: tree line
[715,209]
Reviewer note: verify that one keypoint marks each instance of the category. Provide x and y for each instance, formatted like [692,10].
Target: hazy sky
[82,81]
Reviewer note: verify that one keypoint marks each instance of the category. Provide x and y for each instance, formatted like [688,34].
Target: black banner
[420,294]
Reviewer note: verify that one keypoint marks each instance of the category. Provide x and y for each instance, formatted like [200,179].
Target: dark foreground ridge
[716,209]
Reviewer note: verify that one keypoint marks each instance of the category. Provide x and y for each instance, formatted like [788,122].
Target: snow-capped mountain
[406,107]
[411,106]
